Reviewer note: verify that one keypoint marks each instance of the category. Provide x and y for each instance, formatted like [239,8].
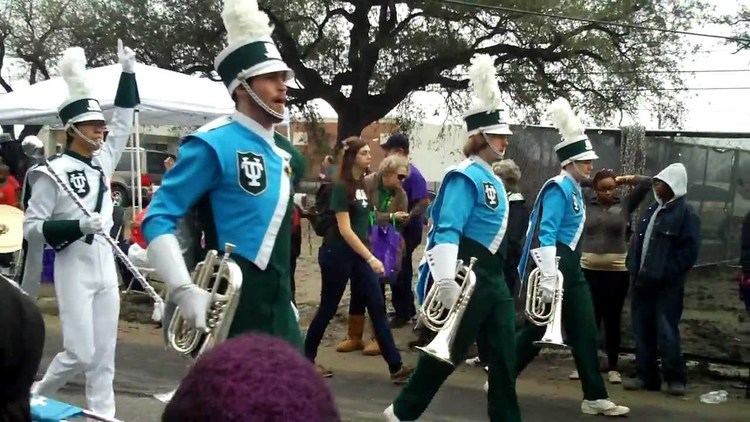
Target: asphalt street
[362,390]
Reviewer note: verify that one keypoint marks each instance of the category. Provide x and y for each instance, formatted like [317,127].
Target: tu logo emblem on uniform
[251,170]
[576,207]
[361,196]
[77,180]
[490,195]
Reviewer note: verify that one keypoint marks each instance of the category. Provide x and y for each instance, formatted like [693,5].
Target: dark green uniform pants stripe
[265,302]
[489,315]
[578,324]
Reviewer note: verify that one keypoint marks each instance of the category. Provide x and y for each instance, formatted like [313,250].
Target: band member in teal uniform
[469,220]
[238,173]
[85,274]
[555,228]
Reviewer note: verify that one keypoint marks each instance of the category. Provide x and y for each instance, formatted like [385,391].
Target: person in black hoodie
[21,348]
[663,250]
[745,262]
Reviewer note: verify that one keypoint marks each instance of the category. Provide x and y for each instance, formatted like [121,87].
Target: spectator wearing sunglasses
[384,188]
[415,186]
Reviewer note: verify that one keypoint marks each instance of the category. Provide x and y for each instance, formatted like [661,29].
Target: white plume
[31,141]
[565,120]
[483,80]
[73,69]
[243,20]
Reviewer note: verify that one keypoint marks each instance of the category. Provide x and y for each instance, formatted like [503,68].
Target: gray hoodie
[675,176]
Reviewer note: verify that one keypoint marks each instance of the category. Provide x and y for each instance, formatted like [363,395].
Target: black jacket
[518,221]
[745,249]
[21,345]
[673,248]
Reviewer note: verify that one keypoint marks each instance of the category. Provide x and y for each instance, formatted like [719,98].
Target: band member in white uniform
[85,275]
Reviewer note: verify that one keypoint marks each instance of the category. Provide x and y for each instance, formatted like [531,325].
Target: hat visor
[87,117]
[586,156]
[498,130]
[264,68]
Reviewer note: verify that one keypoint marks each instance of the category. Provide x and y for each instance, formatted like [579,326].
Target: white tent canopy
[167,98]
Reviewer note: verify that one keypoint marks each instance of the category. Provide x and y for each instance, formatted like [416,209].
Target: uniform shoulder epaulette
[215,124]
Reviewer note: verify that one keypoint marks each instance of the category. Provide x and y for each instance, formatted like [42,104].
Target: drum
[11,229]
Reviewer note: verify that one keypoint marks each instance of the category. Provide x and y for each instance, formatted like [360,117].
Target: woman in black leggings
[344,255]
[604,251]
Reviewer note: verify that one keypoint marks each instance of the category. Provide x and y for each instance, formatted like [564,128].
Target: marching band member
[238,173]
[556,225]
[469,220]
[85,275]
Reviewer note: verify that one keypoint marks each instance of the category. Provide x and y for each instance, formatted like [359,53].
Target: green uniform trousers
[490,316]
[578,324]
[265,301]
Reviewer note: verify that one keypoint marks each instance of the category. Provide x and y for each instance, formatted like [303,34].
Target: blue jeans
[402,290]
[358,302]
[656,314]
[337,266]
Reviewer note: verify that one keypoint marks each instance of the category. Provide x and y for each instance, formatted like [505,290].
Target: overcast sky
[716,110]
[707,110]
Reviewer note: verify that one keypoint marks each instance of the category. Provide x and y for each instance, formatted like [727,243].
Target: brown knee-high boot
[354,335]
[372,348]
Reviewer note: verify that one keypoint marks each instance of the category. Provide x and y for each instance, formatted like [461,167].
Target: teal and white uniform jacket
[471,203]
[245,177]
[557,217]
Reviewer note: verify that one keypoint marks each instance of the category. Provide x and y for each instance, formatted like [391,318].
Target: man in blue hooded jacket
[663,250]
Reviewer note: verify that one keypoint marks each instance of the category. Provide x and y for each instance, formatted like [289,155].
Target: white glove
[447,292]
[193,303]
[91,225]
[127,57]
[165,256]
[547,287]
[545,258]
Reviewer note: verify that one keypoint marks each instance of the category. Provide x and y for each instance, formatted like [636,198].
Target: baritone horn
[223,279]
[447,321]
[540,313]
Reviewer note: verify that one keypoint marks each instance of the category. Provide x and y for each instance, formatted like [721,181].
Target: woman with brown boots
[345,255]
[390,202]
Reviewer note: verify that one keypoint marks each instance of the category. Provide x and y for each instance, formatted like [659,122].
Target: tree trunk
[351,122]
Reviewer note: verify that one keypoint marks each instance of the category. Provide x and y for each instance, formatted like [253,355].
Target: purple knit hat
[252,378]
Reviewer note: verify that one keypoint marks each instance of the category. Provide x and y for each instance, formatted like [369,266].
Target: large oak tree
[366,57]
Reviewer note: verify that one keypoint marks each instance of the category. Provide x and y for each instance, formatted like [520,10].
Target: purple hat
[252,378]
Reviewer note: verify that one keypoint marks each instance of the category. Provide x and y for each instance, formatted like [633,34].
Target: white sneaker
[603,407]
[473,361]
[614,377]
[389,415]
[574,375]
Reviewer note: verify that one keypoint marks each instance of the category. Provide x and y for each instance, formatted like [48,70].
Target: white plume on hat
[244,20]
[565,120]
[483,81]
[32,141]
[72,67]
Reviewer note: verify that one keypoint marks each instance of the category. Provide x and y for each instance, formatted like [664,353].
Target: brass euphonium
[540,313]
[223,279]
[447,321]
